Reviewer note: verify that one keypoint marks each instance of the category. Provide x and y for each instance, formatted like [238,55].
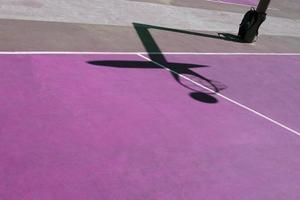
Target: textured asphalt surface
[210,124]
[100,25]
[121,127]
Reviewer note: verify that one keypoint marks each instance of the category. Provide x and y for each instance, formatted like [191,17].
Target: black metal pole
[263,6]
[252,20]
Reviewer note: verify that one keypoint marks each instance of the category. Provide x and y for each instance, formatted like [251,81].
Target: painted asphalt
[119,127]
[268,84]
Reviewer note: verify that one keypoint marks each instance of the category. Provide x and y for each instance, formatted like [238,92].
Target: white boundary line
[237,4]
[135,53]
[224,97]
[140,54]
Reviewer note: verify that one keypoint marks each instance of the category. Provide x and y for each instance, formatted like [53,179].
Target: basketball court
[137,106]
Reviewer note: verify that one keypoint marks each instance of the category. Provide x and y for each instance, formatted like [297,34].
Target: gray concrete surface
[101,25]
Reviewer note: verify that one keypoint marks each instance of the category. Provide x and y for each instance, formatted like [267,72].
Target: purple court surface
[116,126]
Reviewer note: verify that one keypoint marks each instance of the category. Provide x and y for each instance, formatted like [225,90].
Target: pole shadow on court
[177,70]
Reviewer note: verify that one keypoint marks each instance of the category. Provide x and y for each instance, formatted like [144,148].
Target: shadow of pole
[177,70]
[156,55]
[220,36]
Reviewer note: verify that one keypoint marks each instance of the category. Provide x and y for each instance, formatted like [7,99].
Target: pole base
[250,24]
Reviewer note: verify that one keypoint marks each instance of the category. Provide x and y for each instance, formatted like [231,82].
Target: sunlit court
[149,99]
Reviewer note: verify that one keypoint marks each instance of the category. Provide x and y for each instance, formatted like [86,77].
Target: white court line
[135,53]
[237,4]
[224,97]
[170,53]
